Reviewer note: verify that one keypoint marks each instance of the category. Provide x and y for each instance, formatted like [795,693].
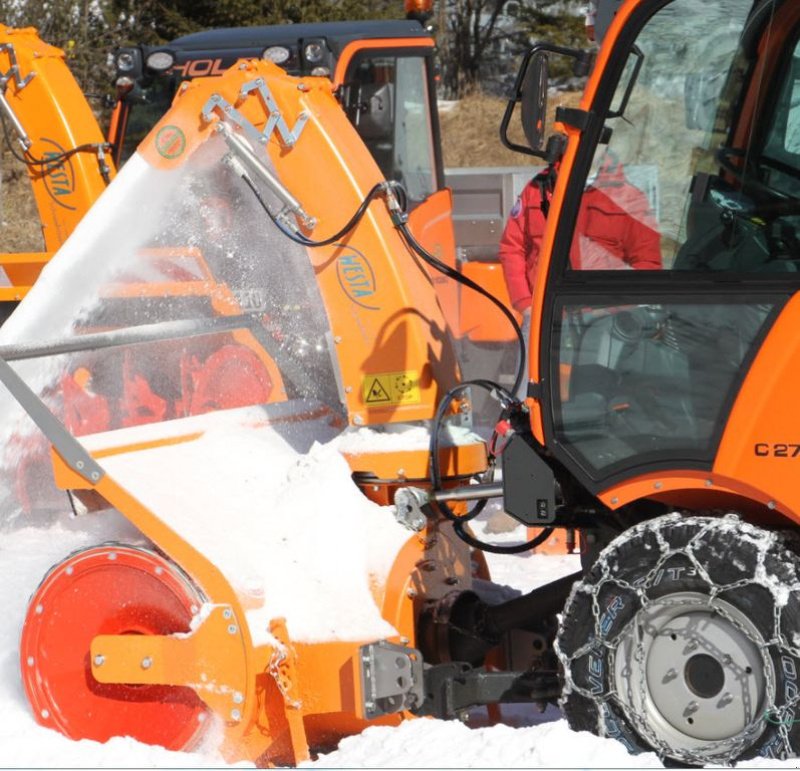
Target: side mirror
[530,91]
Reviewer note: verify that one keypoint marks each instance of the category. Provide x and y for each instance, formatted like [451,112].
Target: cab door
[675,252]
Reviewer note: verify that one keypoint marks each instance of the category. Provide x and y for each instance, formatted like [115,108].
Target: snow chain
[725,750]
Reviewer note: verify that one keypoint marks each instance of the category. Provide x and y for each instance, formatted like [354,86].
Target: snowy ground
[417,744]
[529,739]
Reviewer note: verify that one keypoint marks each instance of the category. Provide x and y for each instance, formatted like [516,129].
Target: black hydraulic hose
[442,267]
[460,531]
[29,160]
[399,218]
[299,238]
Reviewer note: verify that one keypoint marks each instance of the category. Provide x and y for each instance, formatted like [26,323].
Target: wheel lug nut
[691,708]
[670,676]
[726,699]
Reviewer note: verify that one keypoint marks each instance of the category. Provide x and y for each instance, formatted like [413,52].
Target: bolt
[709,483]
[95,476]
[726,699]
[348,389]
[615,500]
[227,613]
[232,629]
[38,610]
[401,472]
[358,420]
[236,715]
[658,485]
[112,555]
[671,675]
[690,646]
[411,593]
[238,698]
[691,708]
[70,570]
[337,339]
[30,661]
[147,662]
[80,464]
[99,660]
[45,713]
[771,504]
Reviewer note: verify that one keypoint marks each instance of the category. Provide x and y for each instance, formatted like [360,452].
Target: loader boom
[49,125]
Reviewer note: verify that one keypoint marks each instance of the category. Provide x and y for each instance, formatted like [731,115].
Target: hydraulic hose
[397,199]
[99,149]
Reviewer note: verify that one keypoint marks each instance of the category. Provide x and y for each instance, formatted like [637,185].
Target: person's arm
[514,245]
[643,244]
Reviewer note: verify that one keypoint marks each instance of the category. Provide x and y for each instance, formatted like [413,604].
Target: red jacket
[615,229]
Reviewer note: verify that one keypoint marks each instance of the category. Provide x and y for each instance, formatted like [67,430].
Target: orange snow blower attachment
[203,356]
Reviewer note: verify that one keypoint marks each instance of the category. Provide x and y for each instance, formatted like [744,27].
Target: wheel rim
[693,673]
[110,589]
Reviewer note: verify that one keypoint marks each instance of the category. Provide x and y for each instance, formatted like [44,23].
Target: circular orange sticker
[170,142]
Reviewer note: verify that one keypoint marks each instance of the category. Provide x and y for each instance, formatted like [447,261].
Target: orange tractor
[659,402]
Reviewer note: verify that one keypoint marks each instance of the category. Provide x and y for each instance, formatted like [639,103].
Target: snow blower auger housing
[220,327]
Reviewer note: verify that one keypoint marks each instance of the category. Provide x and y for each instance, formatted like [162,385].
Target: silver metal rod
[244,153]
[468,493]
[145,333]
[9,114]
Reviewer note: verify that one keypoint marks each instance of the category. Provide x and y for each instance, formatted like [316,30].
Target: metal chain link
[725,750]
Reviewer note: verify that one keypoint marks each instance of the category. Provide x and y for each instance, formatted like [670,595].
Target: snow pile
[287,529]
[440,744]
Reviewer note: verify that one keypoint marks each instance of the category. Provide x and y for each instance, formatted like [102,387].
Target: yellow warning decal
[389,388]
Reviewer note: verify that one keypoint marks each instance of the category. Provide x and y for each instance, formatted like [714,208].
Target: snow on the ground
[529,739]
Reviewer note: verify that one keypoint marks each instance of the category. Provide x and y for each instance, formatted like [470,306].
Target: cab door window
[387,99]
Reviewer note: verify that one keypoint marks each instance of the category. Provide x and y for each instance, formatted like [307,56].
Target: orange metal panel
[480,320]
[432,225]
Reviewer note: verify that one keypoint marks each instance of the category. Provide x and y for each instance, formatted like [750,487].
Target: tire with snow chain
[684,639]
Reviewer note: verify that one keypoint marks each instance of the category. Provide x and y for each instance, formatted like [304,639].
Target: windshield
[175,297]
[145,106]
[688,179]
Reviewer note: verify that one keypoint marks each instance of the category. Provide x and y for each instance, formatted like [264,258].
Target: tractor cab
[663,375]
[383,73]
[674,243]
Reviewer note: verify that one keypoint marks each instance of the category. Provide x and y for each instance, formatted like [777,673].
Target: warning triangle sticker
[377,393]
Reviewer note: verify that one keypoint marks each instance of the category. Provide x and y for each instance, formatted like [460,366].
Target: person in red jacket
[615,230]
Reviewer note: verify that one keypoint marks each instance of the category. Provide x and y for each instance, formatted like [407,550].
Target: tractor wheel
[109,589]
[683,640]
